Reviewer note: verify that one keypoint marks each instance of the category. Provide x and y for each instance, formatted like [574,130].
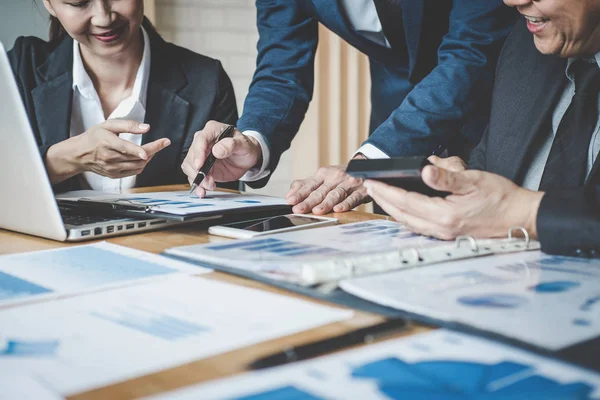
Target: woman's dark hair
[57,32]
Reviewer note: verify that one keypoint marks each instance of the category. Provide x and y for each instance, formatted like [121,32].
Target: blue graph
[275,246]
[151,323]
[283,393]
[83,266]
[12,287]
[555,287]
[493,301]
[20,348]
[448,380]
[441,379]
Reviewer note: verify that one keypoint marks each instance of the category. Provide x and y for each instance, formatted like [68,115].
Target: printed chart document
[93,340]
[282,256]
[51,273]
[14,386]
[182,203]
[523,296]
[434,365]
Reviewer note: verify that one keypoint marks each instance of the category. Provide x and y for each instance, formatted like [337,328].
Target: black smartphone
[402,172]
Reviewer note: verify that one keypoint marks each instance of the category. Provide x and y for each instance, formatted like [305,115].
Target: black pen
[438,150]
[210,160]
[321,347]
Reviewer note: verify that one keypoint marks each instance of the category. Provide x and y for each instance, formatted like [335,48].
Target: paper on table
[182,203]
[77,344]
[435,365]
[281,256]
[523,296]
[51,273]
[15,386]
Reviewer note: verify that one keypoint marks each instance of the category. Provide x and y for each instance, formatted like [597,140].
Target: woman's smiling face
[104,27]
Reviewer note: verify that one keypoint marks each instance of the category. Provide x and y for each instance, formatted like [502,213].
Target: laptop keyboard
[79,220]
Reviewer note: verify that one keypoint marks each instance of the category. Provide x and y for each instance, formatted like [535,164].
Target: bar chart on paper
[280,256]
[80,343]
[12,287]
[149,322]
[79,268]
[433,365]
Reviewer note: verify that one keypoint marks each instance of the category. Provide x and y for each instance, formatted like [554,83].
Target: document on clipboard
[175,205]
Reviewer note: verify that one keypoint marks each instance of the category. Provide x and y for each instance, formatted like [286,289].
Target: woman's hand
[100,150]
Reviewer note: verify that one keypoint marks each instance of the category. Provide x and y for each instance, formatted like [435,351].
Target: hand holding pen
[232,153]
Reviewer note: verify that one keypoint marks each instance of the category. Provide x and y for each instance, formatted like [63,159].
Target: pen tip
[194,187]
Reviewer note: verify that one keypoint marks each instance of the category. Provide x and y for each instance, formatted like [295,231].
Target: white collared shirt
[86,112]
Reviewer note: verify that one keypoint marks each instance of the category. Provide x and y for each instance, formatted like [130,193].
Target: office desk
[218,366]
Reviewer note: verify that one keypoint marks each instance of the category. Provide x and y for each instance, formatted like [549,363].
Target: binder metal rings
[523,230]
[473,242]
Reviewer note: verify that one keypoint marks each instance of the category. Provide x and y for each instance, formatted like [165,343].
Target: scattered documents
[286,256]
[548,301]
[70,270]
[15,386]
[93,340]
[435,365]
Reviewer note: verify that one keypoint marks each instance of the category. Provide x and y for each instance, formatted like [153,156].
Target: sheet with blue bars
[281,256]
[43,274]
[434,365]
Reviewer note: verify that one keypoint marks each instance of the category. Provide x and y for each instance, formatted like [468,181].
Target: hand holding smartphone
[402,172]
[267,226]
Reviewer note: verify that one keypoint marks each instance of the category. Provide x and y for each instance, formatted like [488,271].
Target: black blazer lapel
[536,107]
[166,113]
[52,98]
[527,88]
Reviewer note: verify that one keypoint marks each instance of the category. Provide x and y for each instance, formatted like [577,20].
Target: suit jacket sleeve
[568,222]
[441,103]
[283,82]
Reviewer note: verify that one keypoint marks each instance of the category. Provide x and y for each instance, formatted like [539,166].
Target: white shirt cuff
[256,174]
[370,151]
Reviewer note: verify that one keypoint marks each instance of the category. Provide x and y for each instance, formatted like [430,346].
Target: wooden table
[218,366]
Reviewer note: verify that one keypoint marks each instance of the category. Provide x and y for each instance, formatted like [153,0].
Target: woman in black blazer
[184,91]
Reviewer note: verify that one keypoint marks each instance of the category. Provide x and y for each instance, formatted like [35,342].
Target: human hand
[481,204]
[100,150]
[235,156]
[455,164]
[331,188]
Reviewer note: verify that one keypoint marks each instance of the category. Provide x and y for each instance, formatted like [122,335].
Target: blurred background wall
[22,18]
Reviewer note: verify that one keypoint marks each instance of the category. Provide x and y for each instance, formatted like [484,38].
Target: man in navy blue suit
[432,65]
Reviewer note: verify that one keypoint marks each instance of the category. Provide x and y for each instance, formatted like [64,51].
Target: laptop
[28,204]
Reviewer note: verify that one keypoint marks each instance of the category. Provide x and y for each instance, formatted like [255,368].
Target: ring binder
[416,256]
[523,230]
[473,242]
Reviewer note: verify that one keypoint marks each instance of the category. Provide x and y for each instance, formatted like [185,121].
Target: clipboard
[129,208]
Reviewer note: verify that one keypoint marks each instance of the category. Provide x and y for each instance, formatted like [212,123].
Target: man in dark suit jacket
[185,91]
[431,62]
[544,134]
